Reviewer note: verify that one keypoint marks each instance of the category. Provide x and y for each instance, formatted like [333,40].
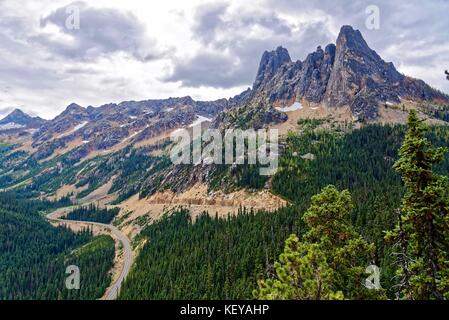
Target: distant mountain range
[346,75]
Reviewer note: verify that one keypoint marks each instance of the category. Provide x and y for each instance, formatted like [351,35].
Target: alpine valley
[95,187]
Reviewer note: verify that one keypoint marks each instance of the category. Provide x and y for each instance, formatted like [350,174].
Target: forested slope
[220,259]
[34,255]
[92,213]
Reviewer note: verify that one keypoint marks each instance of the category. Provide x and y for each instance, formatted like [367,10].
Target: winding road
[113,290]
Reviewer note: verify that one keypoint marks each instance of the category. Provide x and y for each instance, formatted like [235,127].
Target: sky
[121,50]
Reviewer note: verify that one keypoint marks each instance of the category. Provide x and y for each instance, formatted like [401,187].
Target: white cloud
[131,50]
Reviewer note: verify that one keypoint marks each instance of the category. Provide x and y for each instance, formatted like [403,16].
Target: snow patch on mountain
[75,129]
[11,125]
[295,106]
[199,120]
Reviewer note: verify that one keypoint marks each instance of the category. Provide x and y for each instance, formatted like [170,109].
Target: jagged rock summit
[348,73]
[270,64]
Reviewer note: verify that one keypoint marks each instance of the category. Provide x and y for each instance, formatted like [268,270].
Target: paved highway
[114,289]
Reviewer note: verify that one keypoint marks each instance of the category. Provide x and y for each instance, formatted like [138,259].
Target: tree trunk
[433,259]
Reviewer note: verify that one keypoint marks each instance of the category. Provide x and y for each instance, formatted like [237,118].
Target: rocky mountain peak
[73,107]
[270,64]
[18,113]
[345,74]
[15,116]
[316,56]
[72,116]
[351,38]
[73,112]
[360,78]
[19,117]
[352,46]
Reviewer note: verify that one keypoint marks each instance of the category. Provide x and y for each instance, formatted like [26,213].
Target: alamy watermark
[73,20]
[73,281]
[372,22]
[232,147]
[373,281]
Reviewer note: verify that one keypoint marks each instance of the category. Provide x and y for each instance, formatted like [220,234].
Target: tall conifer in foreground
[330,261]
[422,233]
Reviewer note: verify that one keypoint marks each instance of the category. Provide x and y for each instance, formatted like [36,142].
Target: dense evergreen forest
[223,258]
[93,213]
[34,255]
[215,258]
[210,259]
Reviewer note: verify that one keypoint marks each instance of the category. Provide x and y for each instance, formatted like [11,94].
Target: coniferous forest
[34,255]
[216,258]
[93,213]
[363,189]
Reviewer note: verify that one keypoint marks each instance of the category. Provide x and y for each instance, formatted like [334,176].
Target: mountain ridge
[348,73]
[20,118]
[345,75]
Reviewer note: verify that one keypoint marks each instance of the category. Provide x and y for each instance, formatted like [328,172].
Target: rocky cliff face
[346,74]
[362,80]
[269,66]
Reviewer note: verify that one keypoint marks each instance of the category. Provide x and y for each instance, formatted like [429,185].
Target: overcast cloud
[103,32]
[131,50]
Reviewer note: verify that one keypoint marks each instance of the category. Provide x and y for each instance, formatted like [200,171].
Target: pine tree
[330,262]
[422,233]
[302,274]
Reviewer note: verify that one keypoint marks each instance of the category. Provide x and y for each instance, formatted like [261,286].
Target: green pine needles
[330,261]
[422,233]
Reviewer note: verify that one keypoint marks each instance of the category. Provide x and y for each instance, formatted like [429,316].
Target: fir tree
[302,274]
[330,262]
[422,233]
